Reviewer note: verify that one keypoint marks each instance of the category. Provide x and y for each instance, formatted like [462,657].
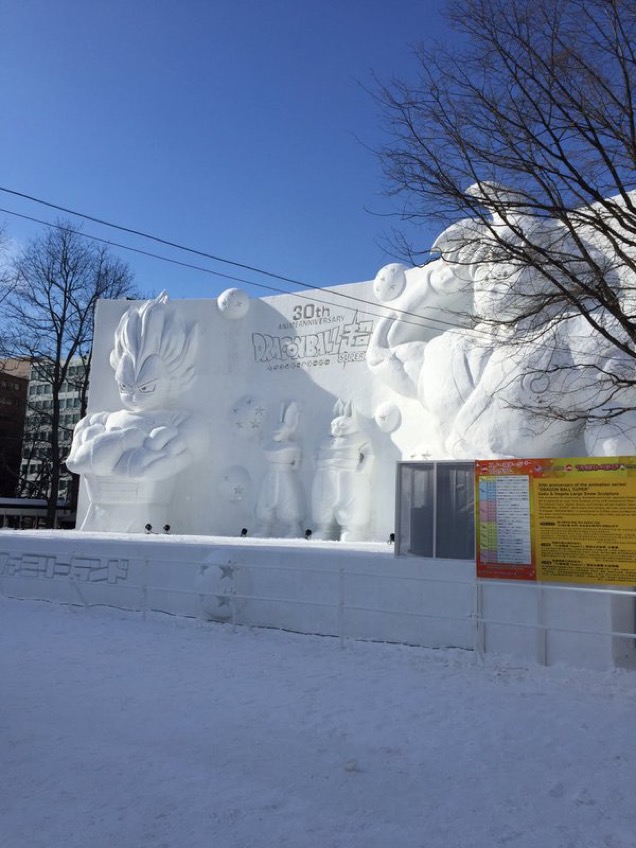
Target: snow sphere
[214,592]
[388,417]
[233,303]
[235,483]
[390,282]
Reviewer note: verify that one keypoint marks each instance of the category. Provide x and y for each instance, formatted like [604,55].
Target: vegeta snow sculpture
[341,491]
[130,458]
[281,500]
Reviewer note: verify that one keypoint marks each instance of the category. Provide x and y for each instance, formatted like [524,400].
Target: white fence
[329,590]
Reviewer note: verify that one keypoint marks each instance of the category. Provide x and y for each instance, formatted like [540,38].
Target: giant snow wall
[307,348]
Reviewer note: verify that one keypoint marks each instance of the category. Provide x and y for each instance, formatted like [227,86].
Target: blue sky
[237,127]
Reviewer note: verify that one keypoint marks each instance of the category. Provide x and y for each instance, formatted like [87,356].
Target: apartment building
[35,471]
[14,379]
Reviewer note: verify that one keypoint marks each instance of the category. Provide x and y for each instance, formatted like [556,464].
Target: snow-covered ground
[120,732]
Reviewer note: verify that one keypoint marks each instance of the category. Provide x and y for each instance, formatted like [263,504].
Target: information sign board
[562,520]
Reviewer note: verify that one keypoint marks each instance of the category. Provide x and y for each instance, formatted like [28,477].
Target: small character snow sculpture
[341,494]
[130,458]
[281,500]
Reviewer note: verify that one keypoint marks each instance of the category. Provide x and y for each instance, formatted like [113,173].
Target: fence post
[144,588]
[233,595]
[542,630]
[341,602]
[76,588]
[480,636]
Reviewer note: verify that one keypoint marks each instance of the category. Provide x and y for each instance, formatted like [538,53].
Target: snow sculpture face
[343,425]
[147,388]
[282,434]
[153,357]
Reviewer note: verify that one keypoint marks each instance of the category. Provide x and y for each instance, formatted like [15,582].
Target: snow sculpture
[439,293]
[485,387]
[390,282]
[220,585]
[130,458]
[388,417]
[281,500]
[233,304]
[341,492]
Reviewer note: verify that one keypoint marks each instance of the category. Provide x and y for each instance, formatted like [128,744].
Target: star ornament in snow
[248,415]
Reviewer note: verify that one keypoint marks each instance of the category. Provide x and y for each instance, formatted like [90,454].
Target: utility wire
[420,320]
[151,237]
[148,253]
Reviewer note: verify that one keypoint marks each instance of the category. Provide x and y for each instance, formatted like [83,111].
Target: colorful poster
[562,520]
[504,522]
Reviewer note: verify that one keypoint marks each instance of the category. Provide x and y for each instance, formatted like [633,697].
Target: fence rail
[339,592]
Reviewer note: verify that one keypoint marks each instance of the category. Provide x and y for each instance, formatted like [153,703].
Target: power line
[138,250]
[420,321]
[154,238]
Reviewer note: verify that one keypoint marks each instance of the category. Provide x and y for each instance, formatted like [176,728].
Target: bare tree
[12,385]
[527,127]
[7,280]
[58,280]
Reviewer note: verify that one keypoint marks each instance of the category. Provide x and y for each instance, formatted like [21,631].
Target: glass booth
[435,510]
